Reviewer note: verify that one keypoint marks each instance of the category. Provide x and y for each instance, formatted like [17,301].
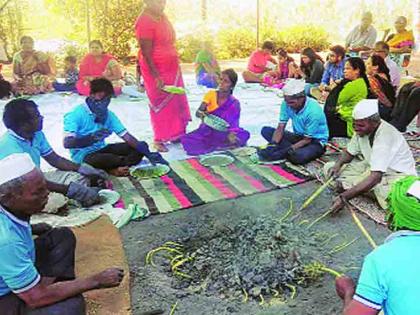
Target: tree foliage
[114,24]
[12,24]
[112,21]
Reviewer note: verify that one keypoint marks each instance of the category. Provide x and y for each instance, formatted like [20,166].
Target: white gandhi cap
[294,87]
[365,109]
[15,166]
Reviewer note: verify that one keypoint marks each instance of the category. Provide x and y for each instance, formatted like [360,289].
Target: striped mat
[191,184]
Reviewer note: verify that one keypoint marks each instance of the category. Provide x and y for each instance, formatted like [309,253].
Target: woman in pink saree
[159,65]
[98,64]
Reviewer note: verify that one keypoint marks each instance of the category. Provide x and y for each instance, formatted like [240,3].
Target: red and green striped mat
[191,184]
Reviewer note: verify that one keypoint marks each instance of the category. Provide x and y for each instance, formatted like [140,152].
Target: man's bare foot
[160,147]
[123,171]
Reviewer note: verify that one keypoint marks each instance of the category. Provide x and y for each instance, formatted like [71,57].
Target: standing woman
[159,65]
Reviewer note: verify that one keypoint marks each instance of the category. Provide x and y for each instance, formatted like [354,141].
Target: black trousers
[55,251]
[301,156]
[406,107]
[114,156]
[336,126]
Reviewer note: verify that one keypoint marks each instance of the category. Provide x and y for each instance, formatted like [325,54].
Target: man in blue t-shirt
[38,276]
[24,134]
[88,125]
[310,130]
[390,278]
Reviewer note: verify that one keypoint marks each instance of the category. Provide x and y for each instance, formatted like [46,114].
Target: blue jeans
[283,149]
[64,87]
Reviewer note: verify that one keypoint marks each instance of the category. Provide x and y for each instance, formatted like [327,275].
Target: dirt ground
[151,288]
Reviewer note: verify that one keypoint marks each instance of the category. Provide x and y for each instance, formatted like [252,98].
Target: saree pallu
[400,40]
[206,139]
[89,67]
[169,113]
[383,90]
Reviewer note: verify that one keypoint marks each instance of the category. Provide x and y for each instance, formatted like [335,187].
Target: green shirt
[205,57]
[352,93]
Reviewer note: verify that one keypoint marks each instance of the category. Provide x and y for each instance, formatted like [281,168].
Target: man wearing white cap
[37,277]
[386,157]
[310,129]
[24,135]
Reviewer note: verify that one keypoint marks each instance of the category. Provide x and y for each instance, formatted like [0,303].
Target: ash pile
[258,258]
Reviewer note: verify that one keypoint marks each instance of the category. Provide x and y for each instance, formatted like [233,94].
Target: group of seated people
[34,72]
[38,276]
[361,103]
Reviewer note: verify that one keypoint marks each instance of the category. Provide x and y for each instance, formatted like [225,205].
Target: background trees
[230,25]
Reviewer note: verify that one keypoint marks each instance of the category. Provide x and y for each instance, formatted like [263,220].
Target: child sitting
[286,69]
[70,76]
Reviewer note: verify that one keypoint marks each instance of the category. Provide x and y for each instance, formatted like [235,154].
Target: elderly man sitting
[310,130]
[390,280]
[37,276]
[386,157]
[362,37]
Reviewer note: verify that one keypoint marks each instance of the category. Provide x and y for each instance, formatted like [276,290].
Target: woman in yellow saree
[33,70]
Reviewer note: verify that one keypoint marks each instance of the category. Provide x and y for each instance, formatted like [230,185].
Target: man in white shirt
[363,36]
[382,49]
[386,157]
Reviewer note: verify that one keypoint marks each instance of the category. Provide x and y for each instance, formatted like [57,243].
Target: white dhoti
[356,172]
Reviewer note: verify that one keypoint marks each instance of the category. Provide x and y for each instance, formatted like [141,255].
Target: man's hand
[201,114]
[277,136]
[338,204]
[101,135]
[109,278]
[40,228]
[335,171]
[154,157]
[345,287]
[90,171]
[87,196]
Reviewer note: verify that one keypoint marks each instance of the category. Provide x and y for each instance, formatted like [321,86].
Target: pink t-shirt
[258,61]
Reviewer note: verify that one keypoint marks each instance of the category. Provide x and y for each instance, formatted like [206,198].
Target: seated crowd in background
[333,73]
[402,41]
[260,62]
[69,76]
[344,97]
[98,64]
[34,71]
[380,85]
[311,69]
[362,37]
